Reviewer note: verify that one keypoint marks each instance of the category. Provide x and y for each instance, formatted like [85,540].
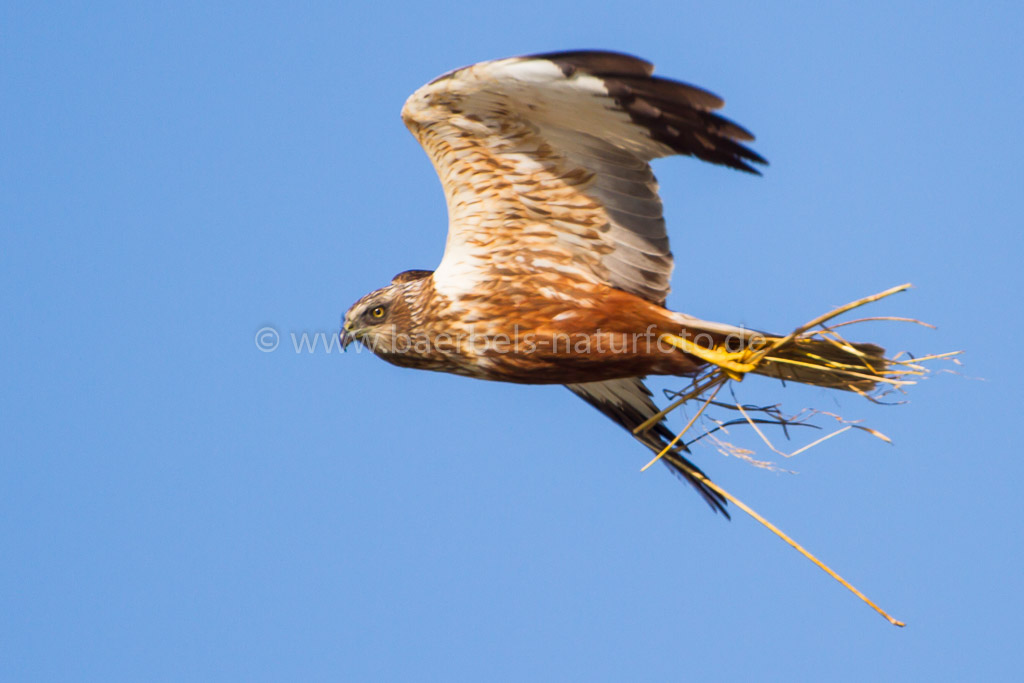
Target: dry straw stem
[778,532]
[896,373]
[753,513]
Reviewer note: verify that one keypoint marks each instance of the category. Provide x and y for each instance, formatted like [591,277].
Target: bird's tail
[826,363]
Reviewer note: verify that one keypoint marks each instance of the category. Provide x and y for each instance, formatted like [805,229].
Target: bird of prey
[557,263]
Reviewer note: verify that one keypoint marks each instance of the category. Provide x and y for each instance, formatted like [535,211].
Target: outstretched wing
[628,402]
[543,160]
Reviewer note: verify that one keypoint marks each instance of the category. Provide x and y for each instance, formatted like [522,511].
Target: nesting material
[814,353]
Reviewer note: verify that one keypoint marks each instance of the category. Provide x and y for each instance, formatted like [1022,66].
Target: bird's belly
[562,358]
[545,356]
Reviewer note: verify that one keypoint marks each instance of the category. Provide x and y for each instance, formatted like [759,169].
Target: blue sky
[176,504]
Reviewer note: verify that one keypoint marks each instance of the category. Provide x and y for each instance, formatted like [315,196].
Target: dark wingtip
[679,115]
[714,500]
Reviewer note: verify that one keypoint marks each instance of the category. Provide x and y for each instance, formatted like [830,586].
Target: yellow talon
[730,362]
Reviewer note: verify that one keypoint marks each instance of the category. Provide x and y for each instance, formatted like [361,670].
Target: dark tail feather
[825,363]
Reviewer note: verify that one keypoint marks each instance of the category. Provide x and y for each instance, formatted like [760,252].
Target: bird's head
[380,319]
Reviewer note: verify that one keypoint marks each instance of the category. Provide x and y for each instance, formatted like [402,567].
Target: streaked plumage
[556,230]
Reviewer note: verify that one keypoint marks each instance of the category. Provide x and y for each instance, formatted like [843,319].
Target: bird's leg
[732,362]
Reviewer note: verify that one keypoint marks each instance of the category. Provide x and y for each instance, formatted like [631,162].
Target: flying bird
[557,262]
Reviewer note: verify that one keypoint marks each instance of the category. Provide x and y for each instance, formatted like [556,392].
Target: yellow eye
[377,312]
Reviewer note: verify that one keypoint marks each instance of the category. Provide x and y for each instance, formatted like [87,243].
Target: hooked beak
[346,338]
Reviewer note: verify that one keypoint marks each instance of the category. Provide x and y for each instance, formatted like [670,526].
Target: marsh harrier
[557,262]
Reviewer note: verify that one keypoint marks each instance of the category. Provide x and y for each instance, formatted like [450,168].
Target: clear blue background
[177,505]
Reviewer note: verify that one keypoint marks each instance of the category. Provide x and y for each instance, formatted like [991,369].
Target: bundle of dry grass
[814,353]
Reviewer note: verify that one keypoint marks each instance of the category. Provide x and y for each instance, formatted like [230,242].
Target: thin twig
[678,436]
[825,318]
[778,532]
